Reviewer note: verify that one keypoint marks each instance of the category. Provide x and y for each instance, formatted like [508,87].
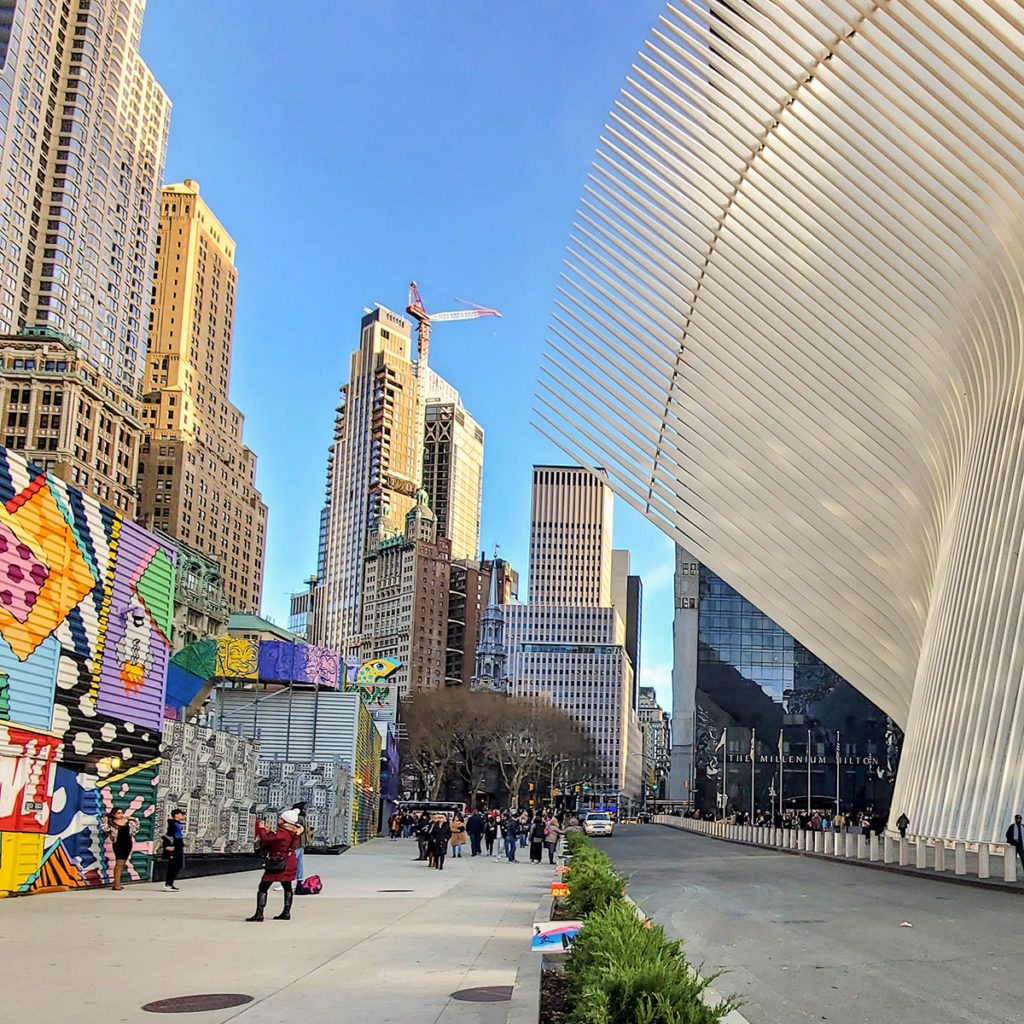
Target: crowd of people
[435,834]
[865,822]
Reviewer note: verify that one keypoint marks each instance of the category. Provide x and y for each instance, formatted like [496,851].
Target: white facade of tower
[809,219]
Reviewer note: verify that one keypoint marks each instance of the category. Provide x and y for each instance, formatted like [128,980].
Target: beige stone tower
[83,129]
[197,479]
[373,473]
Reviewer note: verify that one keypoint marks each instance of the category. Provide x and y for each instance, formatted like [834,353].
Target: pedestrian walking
[458,840]
[173,842]
[439,836]
[491,833]
[280,849]
[524,829]
[1015,837]
[510,828]
[552,834]
[421,827]
[902,824]
[120,829]
[475,831]
[537,829]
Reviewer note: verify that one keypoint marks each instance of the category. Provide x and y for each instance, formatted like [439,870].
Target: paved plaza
[354,953]
[806,939]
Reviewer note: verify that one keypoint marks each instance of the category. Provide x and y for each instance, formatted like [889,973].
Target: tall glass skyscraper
[750,681]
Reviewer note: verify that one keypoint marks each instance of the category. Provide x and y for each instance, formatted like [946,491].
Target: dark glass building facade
[756,685]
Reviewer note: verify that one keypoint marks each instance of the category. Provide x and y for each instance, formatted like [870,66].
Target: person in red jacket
[281,864]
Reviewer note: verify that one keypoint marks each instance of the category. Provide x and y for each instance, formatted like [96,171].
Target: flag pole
[753,761]
[838,749]
[781,774]
[808,771]
[725,747]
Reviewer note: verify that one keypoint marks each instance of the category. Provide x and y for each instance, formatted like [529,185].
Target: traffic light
[586,786]
[530,786]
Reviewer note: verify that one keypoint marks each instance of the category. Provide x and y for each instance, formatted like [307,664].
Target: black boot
[286,914]
[261,902]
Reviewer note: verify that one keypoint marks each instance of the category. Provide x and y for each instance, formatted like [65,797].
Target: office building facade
[197,478]
[453,471]
[405,601]
[568,643]
[83,132]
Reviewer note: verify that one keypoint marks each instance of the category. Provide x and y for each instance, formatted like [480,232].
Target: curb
[994,885]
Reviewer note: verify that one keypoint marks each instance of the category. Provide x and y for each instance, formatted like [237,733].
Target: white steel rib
[790,332]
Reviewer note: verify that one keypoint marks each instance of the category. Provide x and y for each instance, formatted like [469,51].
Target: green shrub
[574,841]
[623,972]
[592,883]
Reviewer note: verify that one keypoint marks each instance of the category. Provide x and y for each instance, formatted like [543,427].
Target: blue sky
[350,147]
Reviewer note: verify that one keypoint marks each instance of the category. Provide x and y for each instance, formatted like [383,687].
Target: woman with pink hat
[280,862]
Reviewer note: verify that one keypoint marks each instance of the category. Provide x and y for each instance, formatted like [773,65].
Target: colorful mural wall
[370,680]
[195,669]
[366,780]
[86,601]
[212,776]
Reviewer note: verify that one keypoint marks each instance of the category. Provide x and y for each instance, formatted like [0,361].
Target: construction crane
[423,319]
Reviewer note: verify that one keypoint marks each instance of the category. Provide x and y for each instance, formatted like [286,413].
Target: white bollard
[873,848]
[960,858]
[1009,864]
[862,846]
[922,852]
[904,852]
[983,863]
[801,839]
[940,855]
[888,850]
[819,842]
[851,844]
[791,838]
[830,843]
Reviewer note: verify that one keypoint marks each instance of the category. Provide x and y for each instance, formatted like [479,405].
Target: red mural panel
[27,764]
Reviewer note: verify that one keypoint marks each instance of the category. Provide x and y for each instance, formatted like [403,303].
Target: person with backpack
[173,842]
[280,862]
[300,872]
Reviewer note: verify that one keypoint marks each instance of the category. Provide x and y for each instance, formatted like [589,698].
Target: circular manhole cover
[486,994]
[396,890]
[192,1004]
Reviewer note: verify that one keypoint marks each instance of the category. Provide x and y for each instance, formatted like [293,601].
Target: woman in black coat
[438,838]
[537,829]
[121,830]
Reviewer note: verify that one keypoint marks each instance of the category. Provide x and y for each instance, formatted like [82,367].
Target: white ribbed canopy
[791,333]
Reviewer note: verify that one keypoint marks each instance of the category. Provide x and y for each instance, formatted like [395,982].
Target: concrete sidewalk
[353,953]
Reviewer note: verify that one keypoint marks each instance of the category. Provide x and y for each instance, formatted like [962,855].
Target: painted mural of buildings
[86,601]
[212,777]
[323,787]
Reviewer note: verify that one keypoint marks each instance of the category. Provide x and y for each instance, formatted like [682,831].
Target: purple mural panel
[277,660]
[133,665]
[323,667]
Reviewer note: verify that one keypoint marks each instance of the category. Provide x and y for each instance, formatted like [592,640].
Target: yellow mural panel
[238,658]
[20,854]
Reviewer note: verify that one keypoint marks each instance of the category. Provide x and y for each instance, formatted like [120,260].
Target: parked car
[598,823]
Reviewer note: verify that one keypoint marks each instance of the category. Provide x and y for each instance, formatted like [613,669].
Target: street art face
[370,683]
[85,606]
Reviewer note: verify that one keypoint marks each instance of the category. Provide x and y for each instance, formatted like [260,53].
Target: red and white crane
[423,319]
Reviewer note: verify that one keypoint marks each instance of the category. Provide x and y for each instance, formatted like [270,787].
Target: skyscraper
[453,470]
[83,137]
[398,427]
[83,129]
[197,479]
[570,538]
[373,472]
[405,600]
[567,644]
